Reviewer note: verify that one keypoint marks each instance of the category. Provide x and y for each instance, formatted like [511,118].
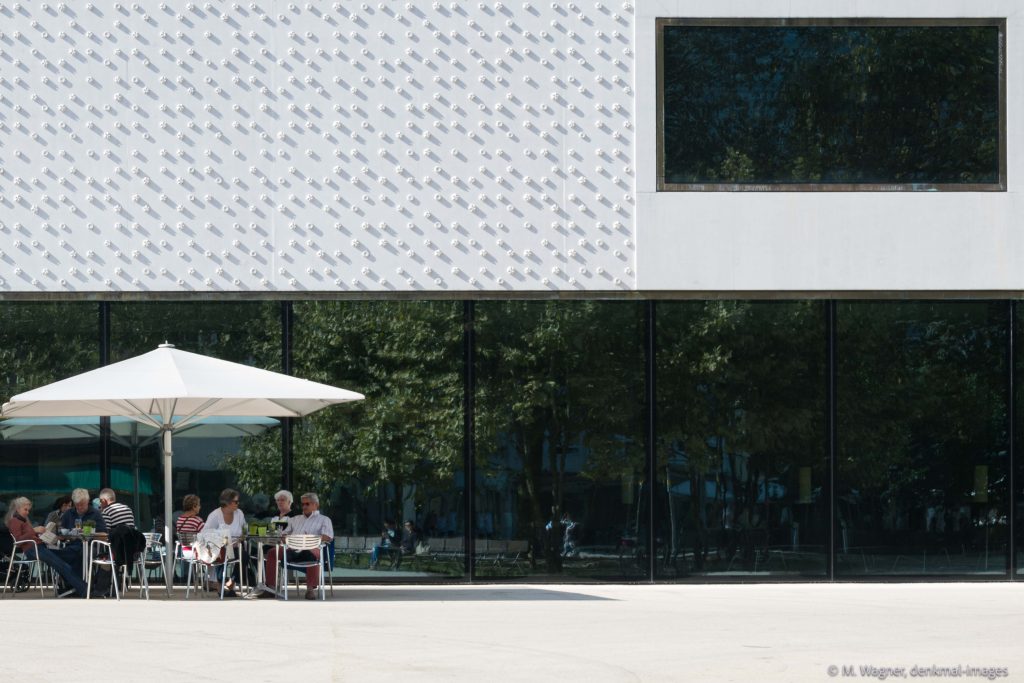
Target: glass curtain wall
[741,456]
[46,458]
[922,438]
[389,469]
[211,457]
[559,490]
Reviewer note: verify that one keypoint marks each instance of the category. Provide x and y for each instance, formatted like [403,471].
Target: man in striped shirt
[115,514]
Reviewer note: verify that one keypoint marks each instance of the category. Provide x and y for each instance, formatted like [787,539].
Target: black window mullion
[468,431]
[831,408]
[104,347]
[286,368]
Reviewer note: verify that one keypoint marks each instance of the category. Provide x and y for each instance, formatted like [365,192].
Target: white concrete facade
[446,147]
[828,241]
[277,146]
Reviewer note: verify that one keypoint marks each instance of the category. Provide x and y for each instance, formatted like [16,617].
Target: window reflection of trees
[741,438]
[559,431]
[831,104]
[923,446]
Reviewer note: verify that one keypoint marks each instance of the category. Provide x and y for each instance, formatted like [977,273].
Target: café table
[262,541]
[85,539]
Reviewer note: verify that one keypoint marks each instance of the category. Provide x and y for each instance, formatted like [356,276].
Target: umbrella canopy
[171,389]
[168,383]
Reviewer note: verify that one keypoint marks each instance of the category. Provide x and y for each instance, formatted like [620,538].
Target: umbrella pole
[168,492]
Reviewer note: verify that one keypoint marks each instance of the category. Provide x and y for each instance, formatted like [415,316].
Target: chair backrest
[303,542]
[98,548]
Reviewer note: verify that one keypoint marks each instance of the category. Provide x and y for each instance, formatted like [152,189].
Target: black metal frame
[104,340]
[287,423]
[831,434]
[1011,435]
[469,435]
[651,430]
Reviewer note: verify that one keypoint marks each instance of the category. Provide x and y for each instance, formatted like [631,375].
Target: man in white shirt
[309,522]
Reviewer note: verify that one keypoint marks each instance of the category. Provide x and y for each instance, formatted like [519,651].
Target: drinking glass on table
[78,525]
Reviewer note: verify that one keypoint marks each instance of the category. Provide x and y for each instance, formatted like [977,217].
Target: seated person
[125,540]
[60,506]
[82,511]
[309,522]
[410,539]
[390,539]
[115,514]
[280,516]
[189,522]
[60,559]
[227,515]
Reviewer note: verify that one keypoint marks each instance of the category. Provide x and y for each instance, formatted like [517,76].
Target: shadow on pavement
[459,594]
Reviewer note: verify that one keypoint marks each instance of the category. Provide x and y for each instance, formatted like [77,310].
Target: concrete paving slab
[594,633]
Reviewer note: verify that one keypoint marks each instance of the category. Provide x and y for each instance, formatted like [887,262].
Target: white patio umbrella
[170,389]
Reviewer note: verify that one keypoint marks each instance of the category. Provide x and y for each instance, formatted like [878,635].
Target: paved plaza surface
[592,633]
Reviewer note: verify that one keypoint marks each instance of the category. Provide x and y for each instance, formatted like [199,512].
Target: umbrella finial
[165,345]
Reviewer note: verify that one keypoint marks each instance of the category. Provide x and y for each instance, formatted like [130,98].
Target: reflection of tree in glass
[556,378]
[894,104]
[741,408]
[406,358]
[44,342]
[922,402]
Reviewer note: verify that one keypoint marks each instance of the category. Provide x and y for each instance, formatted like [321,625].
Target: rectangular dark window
[831,104]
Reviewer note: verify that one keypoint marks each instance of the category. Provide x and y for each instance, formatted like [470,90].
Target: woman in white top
[227,515]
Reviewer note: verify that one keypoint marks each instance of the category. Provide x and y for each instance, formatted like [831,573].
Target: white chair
[24,561]
[152,558]
[101,555]
[184,553]
[298,543]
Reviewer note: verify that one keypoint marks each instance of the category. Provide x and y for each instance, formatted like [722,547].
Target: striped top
[189,525]
[117,514]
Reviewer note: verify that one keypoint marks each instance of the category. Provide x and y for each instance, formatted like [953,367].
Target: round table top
[94,536]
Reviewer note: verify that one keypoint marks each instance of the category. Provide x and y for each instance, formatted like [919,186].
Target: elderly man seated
[81,511]
[309,522]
